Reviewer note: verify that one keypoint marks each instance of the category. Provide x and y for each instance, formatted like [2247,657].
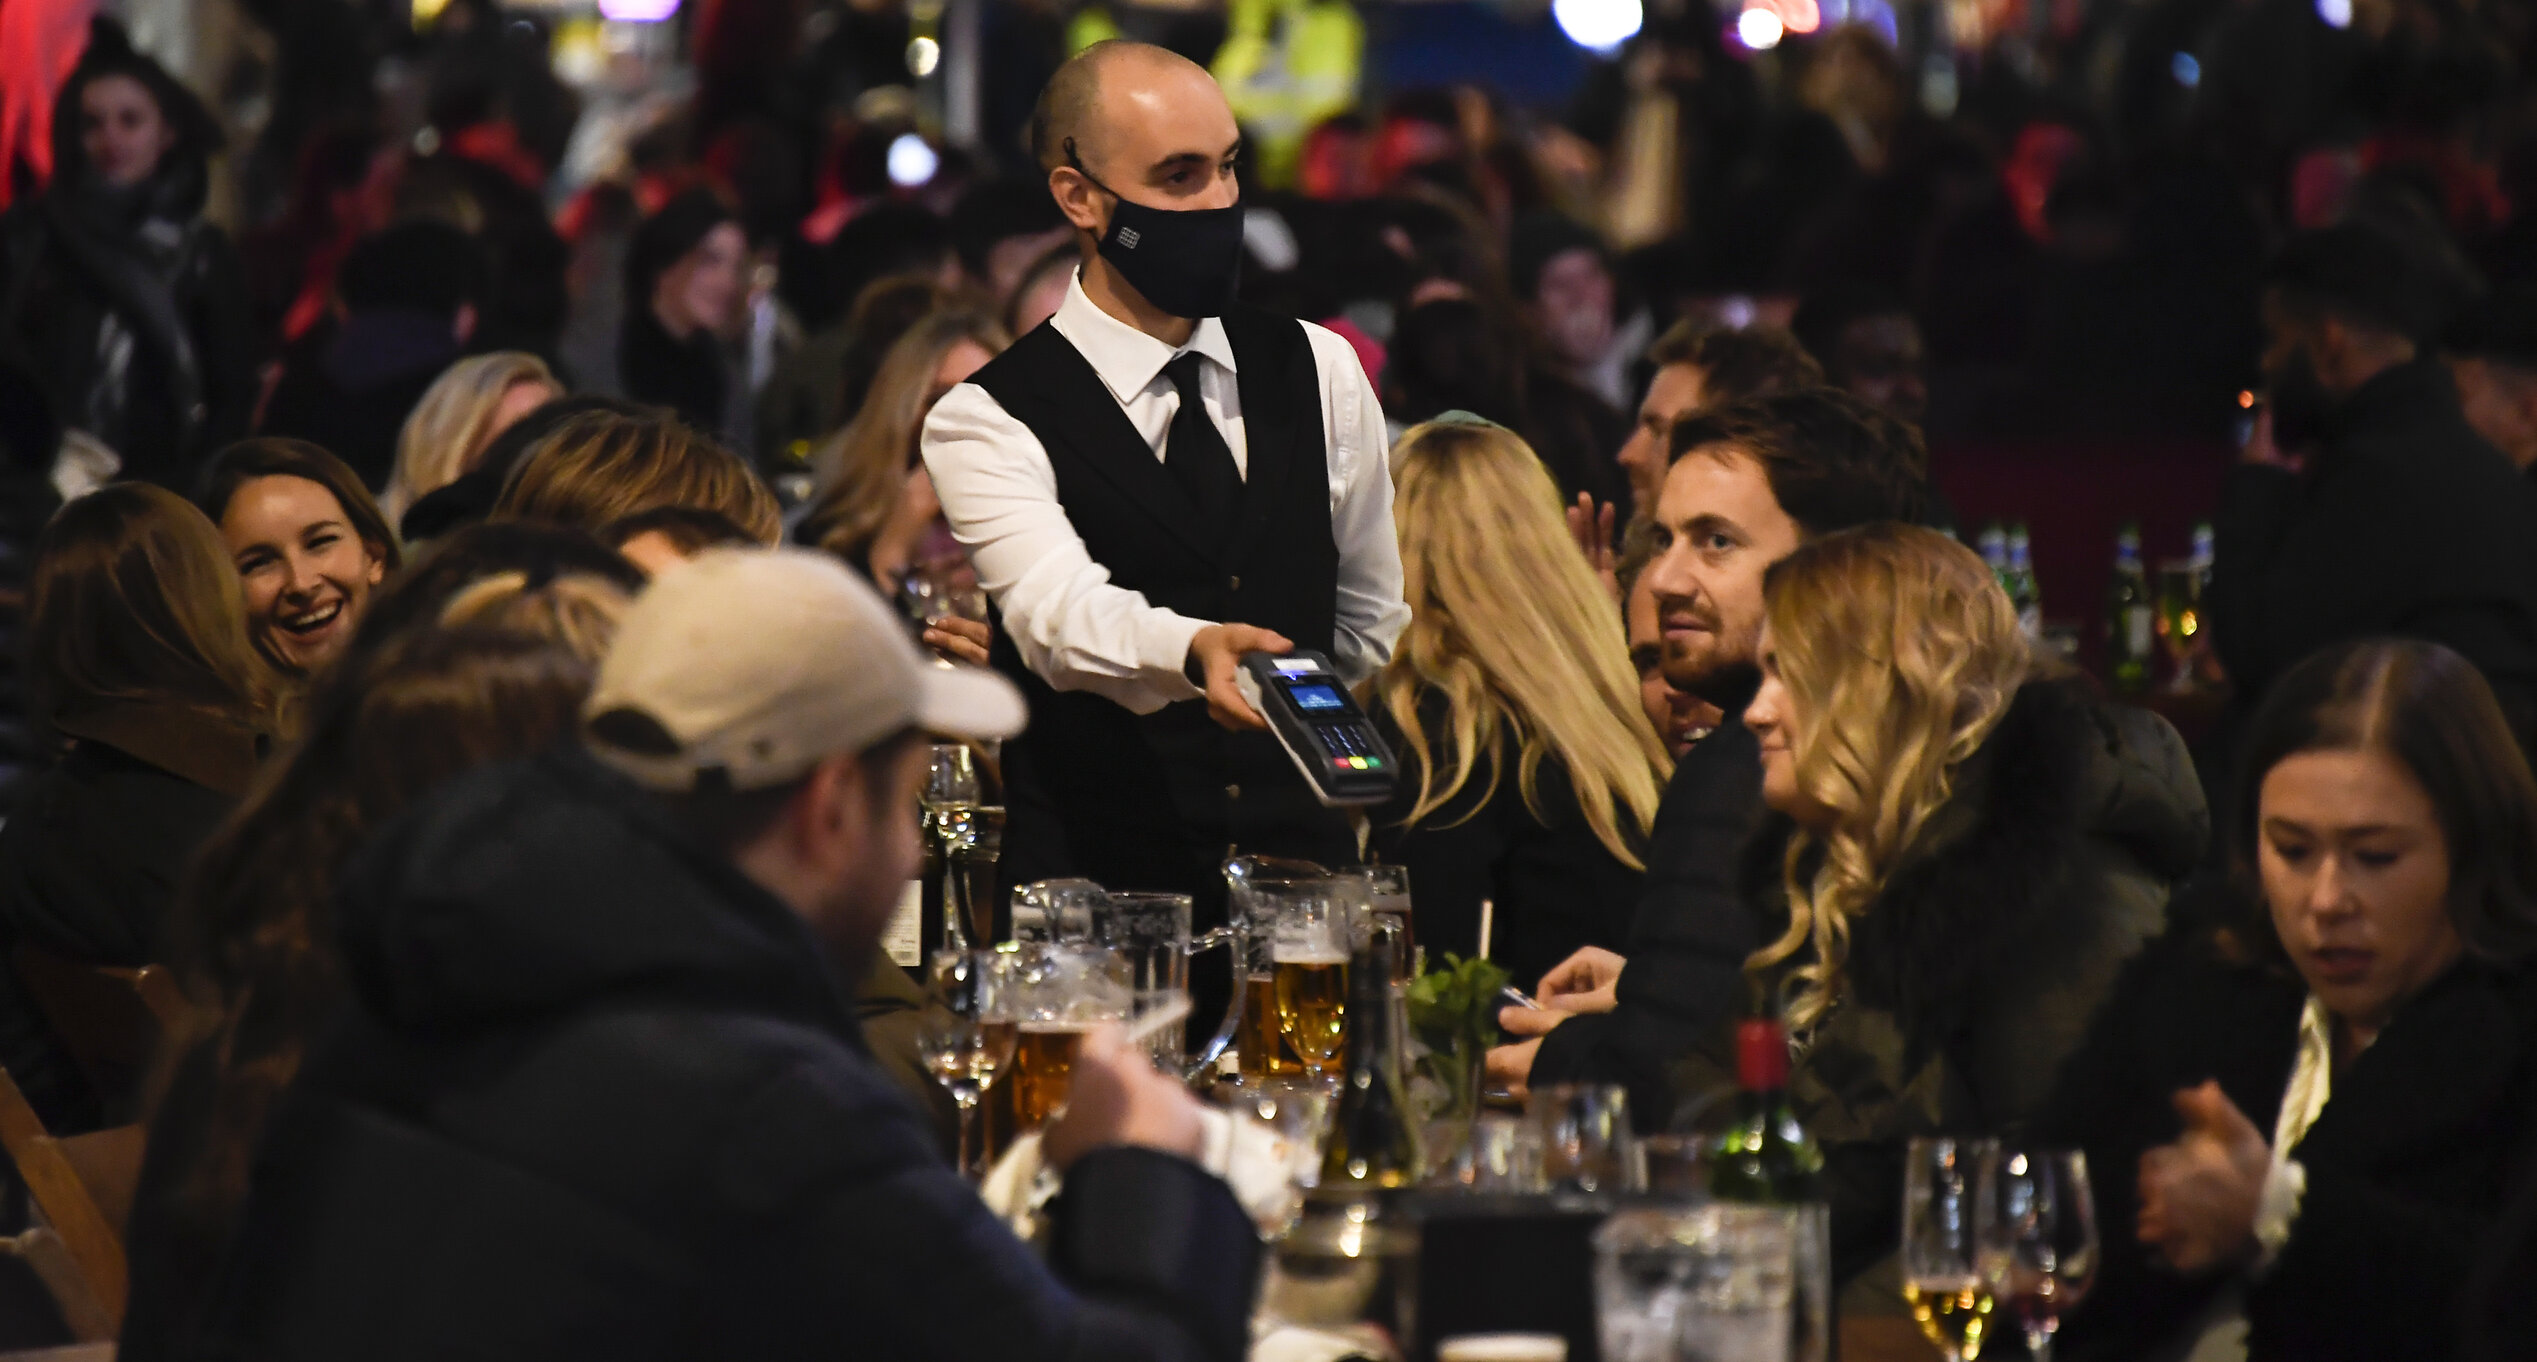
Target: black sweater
[1555,884]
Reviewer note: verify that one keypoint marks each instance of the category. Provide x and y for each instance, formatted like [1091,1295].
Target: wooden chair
[77,1250]
[111,1018]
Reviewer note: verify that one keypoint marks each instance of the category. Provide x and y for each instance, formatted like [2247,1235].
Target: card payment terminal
[1308,707]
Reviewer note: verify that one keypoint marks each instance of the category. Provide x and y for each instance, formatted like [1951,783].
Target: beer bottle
[2130,619]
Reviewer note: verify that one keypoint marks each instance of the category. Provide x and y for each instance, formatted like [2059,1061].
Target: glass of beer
[1309,939]
[1261,1048]
[1151,931]
[1057,993]
[2180,617]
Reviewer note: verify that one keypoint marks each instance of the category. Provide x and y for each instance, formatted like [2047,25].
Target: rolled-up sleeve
[1371,613]
[1071,626]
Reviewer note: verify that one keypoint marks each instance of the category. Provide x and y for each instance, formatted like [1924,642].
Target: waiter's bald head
[1128,108]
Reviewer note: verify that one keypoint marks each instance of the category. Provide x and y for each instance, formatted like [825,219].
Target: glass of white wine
[967,1032]
[1946,1205]
[2039,1245]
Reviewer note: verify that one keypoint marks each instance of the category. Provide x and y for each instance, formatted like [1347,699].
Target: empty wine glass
[967,1033]
[2039,1245]
[1945,1204]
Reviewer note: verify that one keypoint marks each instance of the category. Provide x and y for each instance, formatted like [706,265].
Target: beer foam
[1053,1028]
[1310,955]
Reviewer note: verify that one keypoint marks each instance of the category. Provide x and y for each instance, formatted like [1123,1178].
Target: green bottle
[1766,1157]
[2131,618]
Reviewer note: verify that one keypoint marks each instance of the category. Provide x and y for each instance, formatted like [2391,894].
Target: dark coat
[603,1096]
[2406,522]
[2409,1165]
[1691,931]
[691,377]
[1555,884]
[132,311]
[349,390]
[1975,971]
[90,862]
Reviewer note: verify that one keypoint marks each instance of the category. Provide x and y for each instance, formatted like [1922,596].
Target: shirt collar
[1128,359]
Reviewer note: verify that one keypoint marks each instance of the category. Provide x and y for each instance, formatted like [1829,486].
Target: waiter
[1153,483]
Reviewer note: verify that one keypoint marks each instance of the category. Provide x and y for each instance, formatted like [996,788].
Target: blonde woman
[1530,771]
[474,400]
[877,509]
[1963,852]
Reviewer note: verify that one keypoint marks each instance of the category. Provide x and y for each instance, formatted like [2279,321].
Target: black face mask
[2299,402]
[1188,262]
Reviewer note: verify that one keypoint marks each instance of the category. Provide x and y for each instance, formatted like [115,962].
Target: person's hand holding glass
[2039,1245]
[966,1036]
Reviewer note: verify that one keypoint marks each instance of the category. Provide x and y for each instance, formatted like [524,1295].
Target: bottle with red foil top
[1766,1157]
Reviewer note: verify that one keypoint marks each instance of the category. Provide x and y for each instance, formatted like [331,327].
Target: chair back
[69,1208]
[110,1017]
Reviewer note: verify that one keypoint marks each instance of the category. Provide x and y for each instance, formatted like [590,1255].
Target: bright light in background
[1598,24]
[912,162]
[2187,71]
[2336,13]
[638,11]
[1760,29]
[923,55]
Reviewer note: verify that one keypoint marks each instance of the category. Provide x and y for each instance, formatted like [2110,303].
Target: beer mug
[1152,932]
[1249,963]
[1311,928]
[1056,910]
[1055,993]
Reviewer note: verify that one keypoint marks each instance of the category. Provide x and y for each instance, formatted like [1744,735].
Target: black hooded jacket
[602,1096]
[130,309]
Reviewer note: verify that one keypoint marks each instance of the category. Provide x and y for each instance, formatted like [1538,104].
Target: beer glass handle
[1203,1066]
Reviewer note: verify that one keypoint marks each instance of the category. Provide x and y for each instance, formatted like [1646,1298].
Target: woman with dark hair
[686,279]
[309,543]
[254,939]
[2305,1110]
[137,660]
[113,287]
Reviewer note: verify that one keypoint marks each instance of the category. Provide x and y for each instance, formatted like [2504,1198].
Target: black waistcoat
[1153,801]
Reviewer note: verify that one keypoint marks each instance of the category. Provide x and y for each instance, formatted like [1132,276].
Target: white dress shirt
[1071,626]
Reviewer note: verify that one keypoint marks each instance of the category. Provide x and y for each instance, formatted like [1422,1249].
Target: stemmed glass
[1946,1202]
[2180,617]
[2039,1245]
[951,789]
[967,1033]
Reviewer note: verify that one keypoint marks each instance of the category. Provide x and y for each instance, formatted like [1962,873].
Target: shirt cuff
[2277,1209]
[1163,649]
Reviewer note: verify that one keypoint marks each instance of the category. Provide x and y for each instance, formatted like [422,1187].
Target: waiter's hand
[1216,653]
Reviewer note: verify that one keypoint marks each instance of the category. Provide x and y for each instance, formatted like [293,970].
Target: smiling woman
[309,543]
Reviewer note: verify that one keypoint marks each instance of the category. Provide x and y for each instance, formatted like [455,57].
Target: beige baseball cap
[761,663]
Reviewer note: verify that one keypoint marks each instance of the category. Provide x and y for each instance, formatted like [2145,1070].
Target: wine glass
[1946,1201]
[967,1034]
[2039,1246]
[951,785]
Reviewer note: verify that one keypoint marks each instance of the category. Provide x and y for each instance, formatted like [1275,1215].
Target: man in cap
[600,1093]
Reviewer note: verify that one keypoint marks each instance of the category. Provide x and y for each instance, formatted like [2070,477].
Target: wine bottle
[1766,1157]
[1372,1142]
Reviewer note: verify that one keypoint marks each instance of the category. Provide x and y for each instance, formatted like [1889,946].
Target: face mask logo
[1195,267]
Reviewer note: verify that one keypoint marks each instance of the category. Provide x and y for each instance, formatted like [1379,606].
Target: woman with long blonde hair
[876,508]
[1530,771]
[474,400]
[1965,849]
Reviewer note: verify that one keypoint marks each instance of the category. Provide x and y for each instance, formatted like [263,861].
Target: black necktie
[1194,451]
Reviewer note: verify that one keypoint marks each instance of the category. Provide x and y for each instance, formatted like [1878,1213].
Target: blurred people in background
[1562,276]
[410,297]
[1695,367]
[255,938]
[878,512]
[1001,228]
[2492,352]
[309,545]
[599,467]
[475,400]
[128,308]
[665,536]
[1529,771]
[2327,1082]
[1869,347]
[1973,848]
[2374,508]
[470,496]
[138,665]
[686,279]
[1042,289]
